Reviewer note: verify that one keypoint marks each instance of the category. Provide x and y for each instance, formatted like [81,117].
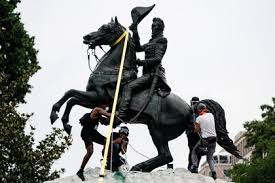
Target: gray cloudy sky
[217,49]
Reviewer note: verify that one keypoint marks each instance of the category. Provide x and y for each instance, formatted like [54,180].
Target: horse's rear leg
[164,155]
[72,102]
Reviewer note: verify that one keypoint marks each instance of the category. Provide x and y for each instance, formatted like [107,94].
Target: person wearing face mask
[120,142]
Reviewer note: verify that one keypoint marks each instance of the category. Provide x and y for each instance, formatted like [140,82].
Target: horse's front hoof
[56,107]
[53,117]
[67,128]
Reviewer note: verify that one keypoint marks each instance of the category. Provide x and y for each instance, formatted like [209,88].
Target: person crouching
[120,142]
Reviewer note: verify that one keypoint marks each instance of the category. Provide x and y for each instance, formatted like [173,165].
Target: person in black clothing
[194,103]
[120,141]
[193,137]
[89,134]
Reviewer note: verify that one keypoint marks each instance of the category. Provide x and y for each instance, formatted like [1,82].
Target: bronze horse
[166,118]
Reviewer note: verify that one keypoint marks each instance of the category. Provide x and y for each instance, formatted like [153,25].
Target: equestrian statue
[145,100]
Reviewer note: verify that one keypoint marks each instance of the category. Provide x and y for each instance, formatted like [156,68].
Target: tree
[261,135]
[21,160]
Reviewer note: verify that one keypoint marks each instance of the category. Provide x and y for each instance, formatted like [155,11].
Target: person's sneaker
[194,169]
[80,175]
[214,175]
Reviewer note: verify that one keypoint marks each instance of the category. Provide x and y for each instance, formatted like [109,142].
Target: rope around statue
[167,116]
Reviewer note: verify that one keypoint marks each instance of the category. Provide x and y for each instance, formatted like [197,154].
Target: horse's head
[107,34]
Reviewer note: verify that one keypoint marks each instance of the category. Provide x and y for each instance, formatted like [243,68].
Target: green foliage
[20,160]
[261,135]
[17,56]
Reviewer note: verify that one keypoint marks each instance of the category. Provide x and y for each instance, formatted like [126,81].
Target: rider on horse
[152,68]
[171,118]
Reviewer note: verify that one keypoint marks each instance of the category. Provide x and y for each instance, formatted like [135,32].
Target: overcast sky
[217,49]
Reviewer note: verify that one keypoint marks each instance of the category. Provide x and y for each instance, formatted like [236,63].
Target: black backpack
[202,148]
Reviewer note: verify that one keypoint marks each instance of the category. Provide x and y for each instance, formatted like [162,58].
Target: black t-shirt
[87,122]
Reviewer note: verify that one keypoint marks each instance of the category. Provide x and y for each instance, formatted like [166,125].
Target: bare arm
[197,127]
[117,141]
[124,146]
[98,112]
[123,143]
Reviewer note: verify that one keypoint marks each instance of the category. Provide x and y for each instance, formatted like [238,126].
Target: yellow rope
[120,38]
[102,172]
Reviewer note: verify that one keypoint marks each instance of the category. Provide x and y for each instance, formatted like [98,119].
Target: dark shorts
[91,135]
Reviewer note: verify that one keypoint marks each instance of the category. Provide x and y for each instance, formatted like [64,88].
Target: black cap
[195,99]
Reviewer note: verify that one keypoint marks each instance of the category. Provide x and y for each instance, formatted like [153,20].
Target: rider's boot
[124,104]
[117,121]
[122,113]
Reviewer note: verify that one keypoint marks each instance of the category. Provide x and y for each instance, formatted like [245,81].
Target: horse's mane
[120,29]
[113,27]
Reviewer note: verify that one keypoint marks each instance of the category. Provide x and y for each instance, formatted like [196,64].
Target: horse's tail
[220,122]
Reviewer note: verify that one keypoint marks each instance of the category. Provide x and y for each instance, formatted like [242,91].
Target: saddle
[139,98]
[153,107]
[148,101]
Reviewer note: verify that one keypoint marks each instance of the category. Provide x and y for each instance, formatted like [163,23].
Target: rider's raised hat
[138,13]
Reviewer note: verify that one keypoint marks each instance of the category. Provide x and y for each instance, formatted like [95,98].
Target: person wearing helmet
[205,126]
[120,141]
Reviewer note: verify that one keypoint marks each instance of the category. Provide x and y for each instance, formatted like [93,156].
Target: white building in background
[240,142]
[225,161]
